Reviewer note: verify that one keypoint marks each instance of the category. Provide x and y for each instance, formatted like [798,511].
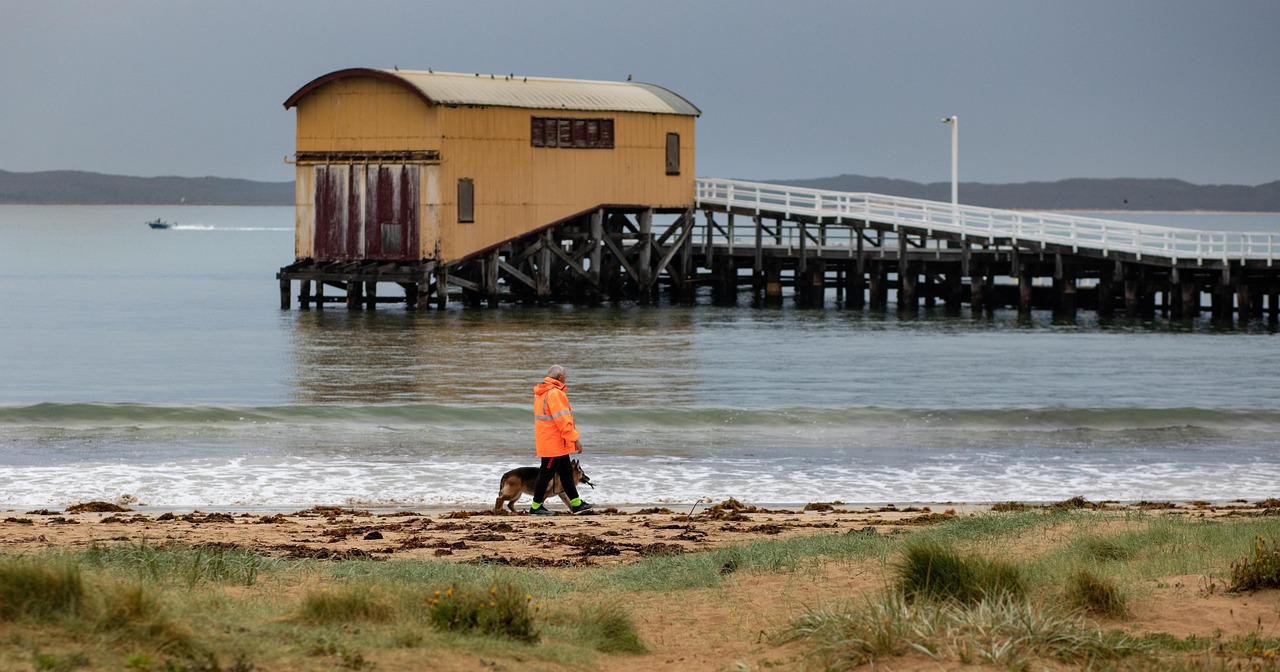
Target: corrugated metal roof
[452,88]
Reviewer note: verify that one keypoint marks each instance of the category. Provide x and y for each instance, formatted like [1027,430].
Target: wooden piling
[772,282]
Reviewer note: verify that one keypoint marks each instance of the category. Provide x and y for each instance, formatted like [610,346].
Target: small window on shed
[537,132]
[673,153]
[571,133]
[466,200]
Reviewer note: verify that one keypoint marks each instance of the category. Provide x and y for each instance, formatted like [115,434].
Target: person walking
[557,438]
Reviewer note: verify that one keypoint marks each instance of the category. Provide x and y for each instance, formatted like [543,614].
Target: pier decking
[860,247]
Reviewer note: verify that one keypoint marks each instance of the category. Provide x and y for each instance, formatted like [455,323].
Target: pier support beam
[1190,298]
[856,278]
[724,291]
[955,290]
[878,285]
[644,263]
[772,282]
[354,291]
[284,294]
[908,296]
[1022,272]
[811,285]
[1106,294]
[977,289]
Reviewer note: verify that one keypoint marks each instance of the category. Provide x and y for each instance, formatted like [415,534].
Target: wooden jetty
[856,250]
[421,188]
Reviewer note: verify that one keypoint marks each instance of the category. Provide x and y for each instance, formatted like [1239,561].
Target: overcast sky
[1043,90]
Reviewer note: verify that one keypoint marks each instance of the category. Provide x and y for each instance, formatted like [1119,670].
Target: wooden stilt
[1106,295]
[1244,300]
[491,267]
[757,266]
[772,282]
[878,285]
[643,263]
[1023,273]
[596,257]
[856,278]
[284,294]
[955,290]
[354,292]
[977,287]
[1190,299]
[442,289]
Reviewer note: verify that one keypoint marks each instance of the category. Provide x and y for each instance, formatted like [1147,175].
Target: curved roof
[452,88]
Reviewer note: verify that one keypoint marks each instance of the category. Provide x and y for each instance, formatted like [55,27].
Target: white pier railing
[989,224]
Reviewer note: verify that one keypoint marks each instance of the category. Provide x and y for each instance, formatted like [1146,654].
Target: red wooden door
[366,212]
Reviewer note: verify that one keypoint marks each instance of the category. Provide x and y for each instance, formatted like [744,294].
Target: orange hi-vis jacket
[553,419]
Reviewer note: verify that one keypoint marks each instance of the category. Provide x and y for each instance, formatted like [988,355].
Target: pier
[812,246]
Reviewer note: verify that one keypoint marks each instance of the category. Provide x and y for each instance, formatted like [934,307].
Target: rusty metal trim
[395,156]
[355,72]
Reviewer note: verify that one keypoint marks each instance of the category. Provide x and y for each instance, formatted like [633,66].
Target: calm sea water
[157,364]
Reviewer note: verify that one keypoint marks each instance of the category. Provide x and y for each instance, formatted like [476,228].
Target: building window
[673,153]
[572,133]
[466,200]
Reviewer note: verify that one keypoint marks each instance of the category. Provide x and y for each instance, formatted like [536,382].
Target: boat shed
[411,166]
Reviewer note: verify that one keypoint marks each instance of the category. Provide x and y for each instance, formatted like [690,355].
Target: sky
[798,89]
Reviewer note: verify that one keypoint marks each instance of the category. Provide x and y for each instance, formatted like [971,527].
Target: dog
[520,481]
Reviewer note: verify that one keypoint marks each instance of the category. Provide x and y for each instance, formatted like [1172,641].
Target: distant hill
[73,187]
[70,187]
[1075,194]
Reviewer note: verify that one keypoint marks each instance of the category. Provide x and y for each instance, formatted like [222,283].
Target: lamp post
[955,151]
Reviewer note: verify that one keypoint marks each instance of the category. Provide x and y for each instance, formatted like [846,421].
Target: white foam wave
[294,482]
[205,227]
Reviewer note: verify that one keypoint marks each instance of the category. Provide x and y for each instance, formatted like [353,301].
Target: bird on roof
[430,70]
[628,78]
[397,68]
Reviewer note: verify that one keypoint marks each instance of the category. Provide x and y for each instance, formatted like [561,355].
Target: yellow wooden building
[399,165]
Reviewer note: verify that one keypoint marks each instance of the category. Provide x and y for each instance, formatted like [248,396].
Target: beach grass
[1015,590]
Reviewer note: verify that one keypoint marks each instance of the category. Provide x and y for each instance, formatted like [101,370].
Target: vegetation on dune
[1023,589]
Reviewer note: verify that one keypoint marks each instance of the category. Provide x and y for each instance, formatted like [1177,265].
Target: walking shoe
[585,506]
[541,511]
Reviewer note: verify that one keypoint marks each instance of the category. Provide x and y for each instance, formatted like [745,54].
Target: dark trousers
[554,466]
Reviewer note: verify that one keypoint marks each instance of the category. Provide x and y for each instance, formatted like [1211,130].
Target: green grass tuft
[931,571]
[343,604]
[1012,634]
[502,611]
[1260,571]
[38,591]
[180,563]
[1106,549]
[608,628]
[1095,595]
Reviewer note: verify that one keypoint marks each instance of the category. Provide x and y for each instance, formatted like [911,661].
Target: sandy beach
[603,536]
[705,629]
[606,535]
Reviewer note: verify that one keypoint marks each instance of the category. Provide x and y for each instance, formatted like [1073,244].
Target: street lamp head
[947,120]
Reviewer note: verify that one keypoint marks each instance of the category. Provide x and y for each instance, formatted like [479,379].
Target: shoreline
[605,536]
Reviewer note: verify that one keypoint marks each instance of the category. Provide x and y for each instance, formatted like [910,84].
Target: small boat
[158,223]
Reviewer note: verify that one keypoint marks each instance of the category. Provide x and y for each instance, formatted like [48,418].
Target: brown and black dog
[518,482]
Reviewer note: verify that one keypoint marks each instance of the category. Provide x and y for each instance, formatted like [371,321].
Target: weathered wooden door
[366,211]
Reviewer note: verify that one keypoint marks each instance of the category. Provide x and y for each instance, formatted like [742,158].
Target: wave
[448,416]
[206,227]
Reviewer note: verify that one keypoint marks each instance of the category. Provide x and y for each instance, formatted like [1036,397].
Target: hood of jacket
[548,384]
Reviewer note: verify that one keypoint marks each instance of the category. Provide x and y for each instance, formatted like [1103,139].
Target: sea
[155,367]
